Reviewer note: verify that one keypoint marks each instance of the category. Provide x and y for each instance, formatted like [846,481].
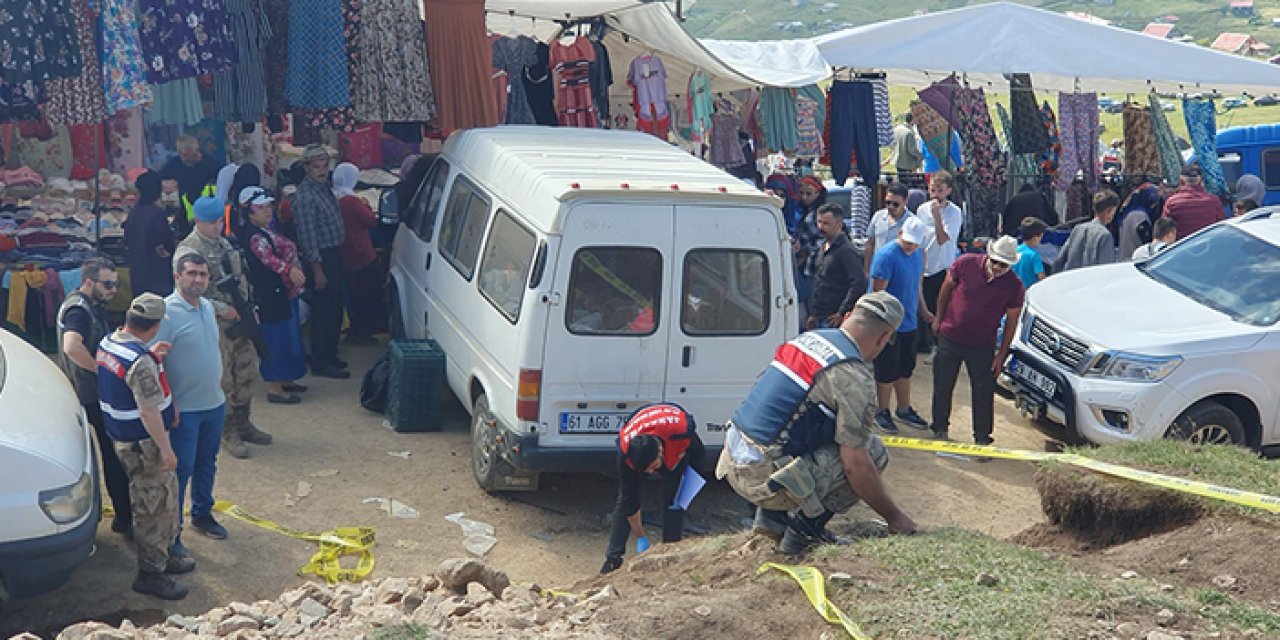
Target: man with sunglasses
[978,292]
[886,223]
[82,324]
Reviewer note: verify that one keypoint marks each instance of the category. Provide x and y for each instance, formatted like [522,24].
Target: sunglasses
[108,284]
[890,203]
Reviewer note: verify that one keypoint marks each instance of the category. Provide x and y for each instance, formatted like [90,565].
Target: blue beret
[208,209]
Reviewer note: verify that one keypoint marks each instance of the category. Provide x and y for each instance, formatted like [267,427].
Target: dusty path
[555,536]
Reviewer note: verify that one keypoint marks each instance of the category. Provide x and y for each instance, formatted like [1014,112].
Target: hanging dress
[1078,126]
[392,82]
[571,67]
[701,106]
[516,56]
[538,87]
[38,41]
[79,100]
[778,118]
[185,38]
[317,76]
[461,61]
[808,135]
[1170,157]
[124,77]
[1203,127]
[307,122]
[647,77]
[276,56]
[1141,157]
[240,93]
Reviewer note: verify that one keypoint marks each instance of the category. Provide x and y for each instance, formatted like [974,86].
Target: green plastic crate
[415,385]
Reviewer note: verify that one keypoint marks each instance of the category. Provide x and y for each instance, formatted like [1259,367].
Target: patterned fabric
[571,67]
[21,101]
[176,102]
[815,93]
[391,81]
[50,158]
[1023,165]
[1078,119]
[701,107]
[360,147]
[778,118]
[982,160]
[1029,132]
[38,41]
[934,130]
[337,118]
[1170,157]
[248,148]
[1141,156]
[1203,127]
[940,96]
[239,93]
[79,100]
[500,78]
[84,158]
[319,220]
[276,56]
[123,71]
[725,150]
[808,136]
[515,56]
[126,140]
[884,118]
[318,77]
[1048,157]
[185,38]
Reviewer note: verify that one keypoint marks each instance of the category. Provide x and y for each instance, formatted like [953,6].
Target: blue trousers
[852,121]
[196,442]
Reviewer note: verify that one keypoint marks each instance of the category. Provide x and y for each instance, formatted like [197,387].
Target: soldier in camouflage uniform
[240,377]
[138,412]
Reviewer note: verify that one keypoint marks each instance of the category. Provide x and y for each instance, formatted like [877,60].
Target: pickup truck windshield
[1225,269]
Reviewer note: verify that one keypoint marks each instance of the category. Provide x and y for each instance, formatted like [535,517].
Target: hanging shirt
[648,79]
[700,106]
[571,66]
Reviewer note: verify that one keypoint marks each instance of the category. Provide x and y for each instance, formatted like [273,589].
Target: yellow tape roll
[814,586]
[334,544]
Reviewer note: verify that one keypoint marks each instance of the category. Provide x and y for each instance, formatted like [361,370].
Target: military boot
[231,442]
[159,585]
[249,432]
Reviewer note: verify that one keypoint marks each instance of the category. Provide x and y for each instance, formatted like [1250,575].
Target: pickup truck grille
[1048,340]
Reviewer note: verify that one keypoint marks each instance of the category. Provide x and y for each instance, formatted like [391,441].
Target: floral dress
[123,74]
[79,100]
[391,82]
[185,38]
[38,41]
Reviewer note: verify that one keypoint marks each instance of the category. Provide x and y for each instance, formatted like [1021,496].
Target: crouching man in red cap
[661,439]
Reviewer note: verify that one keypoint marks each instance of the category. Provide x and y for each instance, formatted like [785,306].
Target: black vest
[268,286]
[85,382]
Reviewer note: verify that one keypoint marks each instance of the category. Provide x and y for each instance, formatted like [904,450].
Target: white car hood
[1118,307]
[39,410]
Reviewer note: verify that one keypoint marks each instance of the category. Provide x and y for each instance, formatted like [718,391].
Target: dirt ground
[555,536]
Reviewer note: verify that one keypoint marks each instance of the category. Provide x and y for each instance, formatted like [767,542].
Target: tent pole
[99,140]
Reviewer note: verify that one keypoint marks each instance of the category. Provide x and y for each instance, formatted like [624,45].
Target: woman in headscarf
[1136,216]
[278,281]
[248,175]
[150,240]
[365,280]
[1249,188]
[222,186]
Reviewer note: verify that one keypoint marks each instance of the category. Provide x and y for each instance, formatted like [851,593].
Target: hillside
[783,19]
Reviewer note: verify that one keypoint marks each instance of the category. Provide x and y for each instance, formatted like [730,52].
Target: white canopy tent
[637,27]
[1061,53]
[775,63]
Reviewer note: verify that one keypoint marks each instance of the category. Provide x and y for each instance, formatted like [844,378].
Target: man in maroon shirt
[1191,206]
[978,292]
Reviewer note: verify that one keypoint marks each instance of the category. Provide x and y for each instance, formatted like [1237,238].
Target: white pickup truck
[1184,345]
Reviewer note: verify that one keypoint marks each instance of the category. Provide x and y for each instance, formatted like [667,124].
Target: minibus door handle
[686,356]
[427,266]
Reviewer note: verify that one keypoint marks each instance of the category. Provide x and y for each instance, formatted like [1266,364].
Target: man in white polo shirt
[943,218]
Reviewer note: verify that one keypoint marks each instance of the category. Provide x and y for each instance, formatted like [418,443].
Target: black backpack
[373,389]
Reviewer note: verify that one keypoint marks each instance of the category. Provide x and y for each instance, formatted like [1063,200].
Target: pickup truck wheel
[395,322]
[485,457]
[1208,422]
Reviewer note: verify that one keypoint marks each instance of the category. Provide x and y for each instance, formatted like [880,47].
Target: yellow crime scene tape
[814,586]
[1194,487]
[334,544]
[593,263]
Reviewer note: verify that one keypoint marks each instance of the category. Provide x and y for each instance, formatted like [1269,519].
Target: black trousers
[326,310]
[982,384]
[113,474]
[367,288]
[925,340]
[672,519]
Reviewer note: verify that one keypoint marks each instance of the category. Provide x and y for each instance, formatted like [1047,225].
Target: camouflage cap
[883,305]
[147,306]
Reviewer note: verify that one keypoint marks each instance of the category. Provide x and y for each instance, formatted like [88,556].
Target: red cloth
[362,147]
[972,316]
[357,245]
[84,164]
[673,425]
[1193,209]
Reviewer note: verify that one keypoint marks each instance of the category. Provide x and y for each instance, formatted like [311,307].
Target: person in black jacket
[840,279]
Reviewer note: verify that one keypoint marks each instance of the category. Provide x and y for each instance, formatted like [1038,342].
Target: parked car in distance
[49,499]
[1114,107]
[1266,101]
[1106,101]
[1168,106]
[1234,103]
[1187,348]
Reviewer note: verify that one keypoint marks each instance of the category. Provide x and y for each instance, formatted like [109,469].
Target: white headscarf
[344,179]
[226,176]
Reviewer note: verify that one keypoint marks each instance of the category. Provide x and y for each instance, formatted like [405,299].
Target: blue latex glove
[642,544]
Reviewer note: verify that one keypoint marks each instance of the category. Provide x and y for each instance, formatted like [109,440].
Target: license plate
[1032,377]
[592,422]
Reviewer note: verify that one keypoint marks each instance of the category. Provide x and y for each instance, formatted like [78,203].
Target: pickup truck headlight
[69,503]
[1134,367]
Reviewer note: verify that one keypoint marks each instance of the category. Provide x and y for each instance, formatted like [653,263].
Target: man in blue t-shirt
[1030,267]
[898,268]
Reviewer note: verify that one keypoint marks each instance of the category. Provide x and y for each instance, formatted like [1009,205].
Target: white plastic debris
[394,507]
[477,537]
[403,455]
[304,489]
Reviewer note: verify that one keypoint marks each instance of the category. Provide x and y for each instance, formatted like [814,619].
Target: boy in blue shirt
[1030,267]
[898,268]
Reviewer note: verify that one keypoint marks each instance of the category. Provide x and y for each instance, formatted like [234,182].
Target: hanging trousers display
[1141,157]
[1203,127]
[1029,135]
[1078,122]
[982,161]
[1022,165]
[935,132]
[853,130]
[1170,157]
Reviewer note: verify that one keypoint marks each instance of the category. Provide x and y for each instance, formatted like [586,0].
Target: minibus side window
[463,227]
[504,270]
[420,214]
